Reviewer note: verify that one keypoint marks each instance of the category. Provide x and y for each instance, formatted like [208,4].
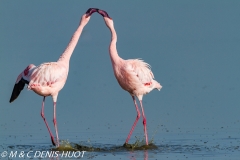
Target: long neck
[65,57]
[113,46]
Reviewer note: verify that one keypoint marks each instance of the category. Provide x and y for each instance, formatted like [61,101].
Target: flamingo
[48,79]
[133,75]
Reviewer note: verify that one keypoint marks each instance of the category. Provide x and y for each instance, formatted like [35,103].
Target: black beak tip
[90,11]
[103,13]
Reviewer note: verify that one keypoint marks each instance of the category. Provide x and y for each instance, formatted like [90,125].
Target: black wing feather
[17,89]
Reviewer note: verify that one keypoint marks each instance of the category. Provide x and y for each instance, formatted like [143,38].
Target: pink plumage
[49,78]
[133,75]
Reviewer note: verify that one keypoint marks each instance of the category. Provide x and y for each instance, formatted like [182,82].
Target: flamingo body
[135,76]
[48,78]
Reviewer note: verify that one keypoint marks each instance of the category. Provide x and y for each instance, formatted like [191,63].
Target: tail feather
[157,85]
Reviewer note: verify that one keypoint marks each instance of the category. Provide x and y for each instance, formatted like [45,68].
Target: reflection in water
[179,149]
[133,155]
[145,155]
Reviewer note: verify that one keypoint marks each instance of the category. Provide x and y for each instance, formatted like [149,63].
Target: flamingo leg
[55,122]
[137,118]
[42,114]
[144,123]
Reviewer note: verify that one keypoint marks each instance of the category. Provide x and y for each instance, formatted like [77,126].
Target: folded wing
[18,87]
[142,71]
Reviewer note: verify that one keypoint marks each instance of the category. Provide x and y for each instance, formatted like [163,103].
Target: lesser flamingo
[48,79]
[133,75]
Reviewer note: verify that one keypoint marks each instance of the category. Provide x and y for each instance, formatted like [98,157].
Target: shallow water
[169,146]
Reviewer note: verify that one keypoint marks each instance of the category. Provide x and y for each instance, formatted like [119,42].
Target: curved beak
[103,13]
[90,11]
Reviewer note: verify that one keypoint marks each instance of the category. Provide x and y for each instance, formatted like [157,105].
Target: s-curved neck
[113,46]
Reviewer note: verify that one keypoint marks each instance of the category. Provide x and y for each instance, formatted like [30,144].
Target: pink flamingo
[49,78]
[133,75]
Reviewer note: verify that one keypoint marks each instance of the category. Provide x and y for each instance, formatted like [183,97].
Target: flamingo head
[103,13]
[90,11]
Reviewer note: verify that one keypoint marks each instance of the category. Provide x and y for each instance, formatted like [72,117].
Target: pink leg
[42,114]
[55,122]
[144,123]
[134,124]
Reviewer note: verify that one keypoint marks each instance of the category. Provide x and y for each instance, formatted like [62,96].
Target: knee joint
[138,115]
[54,121]
[144,121]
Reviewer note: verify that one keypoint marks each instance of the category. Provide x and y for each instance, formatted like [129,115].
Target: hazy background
[192,46]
